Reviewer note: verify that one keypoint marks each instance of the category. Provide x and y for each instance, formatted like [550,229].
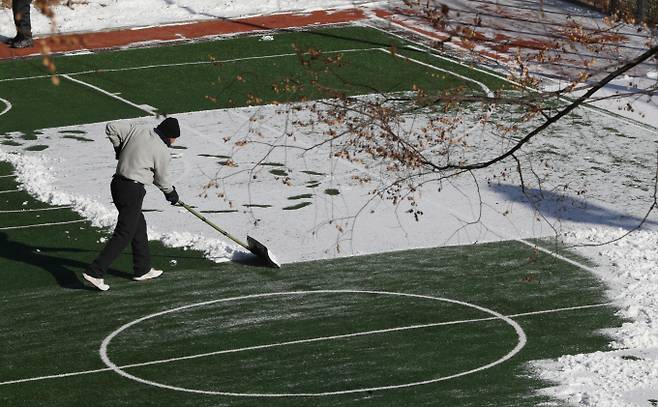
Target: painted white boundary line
[517,328]
[7,107]
[353,335]
[506,237]
[494,74]
[7,176]
[141,67]
[483,86]
[557,256]
[107,369]
[147,109]
[462,77]
[9,191]
[38,225]
[112,95]
[56,208]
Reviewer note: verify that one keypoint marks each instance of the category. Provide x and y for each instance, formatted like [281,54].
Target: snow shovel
[252,245]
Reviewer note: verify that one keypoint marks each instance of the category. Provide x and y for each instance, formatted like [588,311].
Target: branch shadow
[565,207]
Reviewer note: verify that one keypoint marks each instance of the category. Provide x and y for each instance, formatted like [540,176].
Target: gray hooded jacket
[144,157]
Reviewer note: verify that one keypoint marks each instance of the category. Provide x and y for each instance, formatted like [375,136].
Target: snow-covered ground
[502,24]
[95,15]
[615,167]
[344,222]
[612,169]
[628,374]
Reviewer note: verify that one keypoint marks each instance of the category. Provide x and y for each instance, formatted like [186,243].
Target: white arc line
[522,340]
[586,106]
[38,225]
[354,335]
[7,107]
[107,369]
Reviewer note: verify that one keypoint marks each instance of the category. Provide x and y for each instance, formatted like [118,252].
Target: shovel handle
[212,225]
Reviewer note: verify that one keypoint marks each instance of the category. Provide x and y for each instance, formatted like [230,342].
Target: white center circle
[521,341]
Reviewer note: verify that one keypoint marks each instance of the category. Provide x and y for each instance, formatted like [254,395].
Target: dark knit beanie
[169,128]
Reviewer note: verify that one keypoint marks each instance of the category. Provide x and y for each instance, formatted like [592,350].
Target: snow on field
[35,173]
[257,193]
[95,15]
[627,375]
[262,194]
[612,161]
[253,189]
[503,25]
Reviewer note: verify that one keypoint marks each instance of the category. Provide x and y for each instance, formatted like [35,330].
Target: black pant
[21,9]
[131,228]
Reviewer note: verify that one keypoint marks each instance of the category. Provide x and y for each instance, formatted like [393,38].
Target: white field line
[38,225]
[585,106]
[147,109]
[506,236]
[484,87]
[352,335]
[557,256]
[10,191]
[86,372]
[601,112]
[103,351]
[7,176]
[112,95]
[56,208]
[141,67]
[7,107]
[436,68]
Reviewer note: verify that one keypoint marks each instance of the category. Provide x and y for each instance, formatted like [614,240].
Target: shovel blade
[262,252]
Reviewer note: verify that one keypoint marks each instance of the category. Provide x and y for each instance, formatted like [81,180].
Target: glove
[172,196]
[117,152]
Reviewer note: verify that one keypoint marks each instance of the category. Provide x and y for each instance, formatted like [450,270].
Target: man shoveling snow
[143,157]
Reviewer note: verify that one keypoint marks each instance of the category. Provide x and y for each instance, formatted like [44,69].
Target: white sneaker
[96,282]
[153,273]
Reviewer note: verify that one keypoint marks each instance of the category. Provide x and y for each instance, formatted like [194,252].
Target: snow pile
[96,15]
[626,376]
[36,177]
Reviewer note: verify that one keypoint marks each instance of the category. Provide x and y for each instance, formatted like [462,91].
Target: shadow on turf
[248,259]
[568,208]
[60,268]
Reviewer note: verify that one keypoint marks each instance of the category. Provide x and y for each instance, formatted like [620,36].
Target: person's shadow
[60,268]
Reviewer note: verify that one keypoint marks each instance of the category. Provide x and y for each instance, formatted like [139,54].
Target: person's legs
[140,246]
[21,9]
[128,197]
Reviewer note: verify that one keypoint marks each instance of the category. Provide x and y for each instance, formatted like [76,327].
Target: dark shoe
[22,43]
[8,41]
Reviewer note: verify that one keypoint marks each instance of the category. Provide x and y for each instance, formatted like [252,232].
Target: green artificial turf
[55,324]
[296,66]
[39,104]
